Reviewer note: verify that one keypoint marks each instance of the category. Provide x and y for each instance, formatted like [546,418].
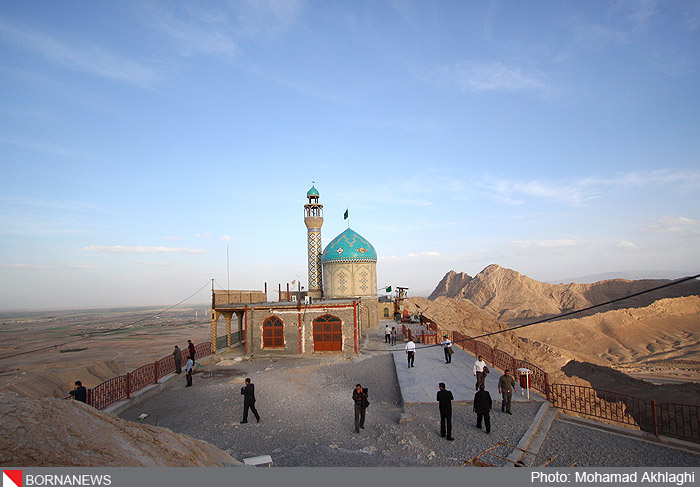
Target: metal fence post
[654,425]
[155,365]
[128,385]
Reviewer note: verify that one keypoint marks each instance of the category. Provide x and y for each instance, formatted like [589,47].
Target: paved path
[420,383]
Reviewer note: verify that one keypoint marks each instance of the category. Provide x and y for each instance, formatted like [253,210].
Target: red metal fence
[121,387]
[678,420]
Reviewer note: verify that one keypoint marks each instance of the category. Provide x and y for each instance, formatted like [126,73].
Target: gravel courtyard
[307,419]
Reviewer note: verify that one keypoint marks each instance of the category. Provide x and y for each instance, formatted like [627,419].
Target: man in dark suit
[444,397]
[482,406]
[248,391]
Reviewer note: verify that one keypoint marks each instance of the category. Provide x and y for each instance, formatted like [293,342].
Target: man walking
[393,335]
[359,397]
[248,391]
[177,354]
[387,334]
[482,406]
[479,371]
[444,398]
[506,388]
[188,371]
[410,352]
[447,348]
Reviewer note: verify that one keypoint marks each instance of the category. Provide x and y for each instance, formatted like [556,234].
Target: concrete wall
[296,321]
[222,297]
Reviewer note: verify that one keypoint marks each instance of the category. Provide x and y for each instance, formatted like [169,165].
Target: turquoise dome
[312,192]
[349,246]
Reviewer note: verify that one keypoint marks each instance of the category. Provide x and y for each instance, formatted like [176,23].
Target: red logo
[11,478]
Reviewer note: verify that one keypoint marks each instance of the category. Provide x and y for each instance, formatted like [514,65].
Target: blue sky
[141,140]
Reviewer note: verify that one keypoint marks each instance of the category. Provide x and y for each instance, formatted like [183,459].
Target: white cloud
[579,191]
[227,238]
[625,244]
[493,76]
[120,249]
[87,57]
[154,264]
[550,244]
[201,32]
[43,267]
[676,226]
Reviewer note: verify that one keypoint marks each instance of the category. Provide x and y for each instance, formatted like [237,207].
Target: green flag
[345,216]
[388,290]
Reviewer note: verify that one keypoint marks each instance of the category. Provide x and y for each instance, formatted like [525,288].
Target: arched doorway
[328,334]
[273,333]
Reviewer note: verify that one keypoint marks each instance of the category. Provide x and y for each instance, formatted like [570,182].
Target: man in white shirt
[447,348]
[387,334]
[188,371]
[410,352]
[479,366]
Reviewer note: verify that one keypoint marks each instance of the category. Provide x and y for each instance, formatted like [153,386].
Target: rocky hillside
[451,285]
[666,330]
[60,433]
[513,297]
[577,363]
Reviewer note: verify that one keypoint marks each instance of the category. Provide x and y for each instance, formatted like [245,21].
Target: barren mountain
[451,285]
[513,297]
[667,330]
[670,328]
[59,433]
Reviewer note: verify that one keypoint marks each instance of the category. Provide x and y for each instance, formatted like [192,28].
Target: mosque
[340,301]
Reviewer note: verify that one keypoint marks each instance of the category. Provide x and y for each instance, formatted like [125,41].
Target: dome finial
[313,192]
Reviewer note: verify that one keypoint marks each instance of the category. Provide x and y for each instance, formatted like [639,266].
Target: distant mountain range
[513,297]
[630,275]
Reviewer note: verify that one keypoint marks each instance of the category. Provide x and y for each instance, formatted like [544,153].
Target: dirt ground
[43,353]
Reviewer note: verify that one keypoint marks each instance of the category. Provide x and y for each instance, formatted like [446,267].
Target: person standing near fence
[410,352]
[480,371]
[444,398]
[188,371]
[393,335]
[482,406]
[506,388]
[79,393]
[191,350]
[447,348]
[177,354]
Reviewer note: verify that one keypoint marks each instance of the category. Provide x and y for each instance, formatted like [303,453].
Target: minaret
[313,218]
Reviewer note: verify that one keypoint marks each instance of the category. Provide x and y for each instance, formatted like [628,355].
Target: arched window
[273,333]
[328,334]
[386,312]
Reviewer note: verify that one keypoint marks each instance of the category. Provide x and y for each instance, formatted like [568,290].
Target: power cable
[95,334]
[562,315]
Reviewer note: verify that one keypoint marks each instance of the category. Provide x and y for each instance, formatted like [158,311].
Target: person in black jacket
[482,406]
[359,397]
[248,391]
[444,397]
[79,393]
